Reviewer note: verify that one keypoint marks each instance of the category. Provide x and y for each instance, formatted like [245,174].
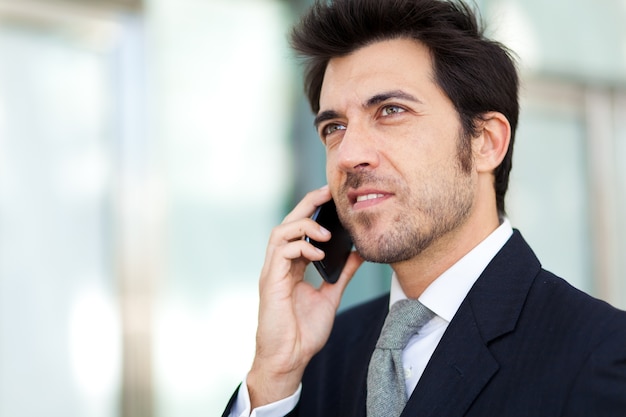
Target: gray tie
[386,387]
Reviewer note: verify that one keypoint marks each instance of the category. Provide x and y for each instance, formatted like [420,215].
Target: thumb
[335,291]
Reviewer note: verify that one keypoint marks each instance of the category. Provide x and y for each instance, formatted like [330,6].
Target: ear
[491,145]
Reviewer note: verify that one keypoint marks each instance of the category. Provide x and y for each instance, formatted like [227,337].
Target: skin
[391,138]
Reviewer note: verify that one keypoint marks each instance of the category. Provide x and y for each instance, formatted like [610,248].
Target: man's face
[392,146]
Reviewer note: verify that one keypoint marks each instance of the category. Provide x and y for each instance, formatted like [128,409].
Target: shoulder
[515,287]
[591,335]
[576,310]
[515,295]
[562,299]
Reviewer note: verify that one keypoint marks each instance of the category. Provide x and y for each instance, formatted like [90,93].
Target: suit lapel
[456,373]
[462,364]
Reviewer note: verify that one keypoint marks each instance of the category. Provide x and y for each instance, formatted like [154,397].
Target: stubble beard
[419,220]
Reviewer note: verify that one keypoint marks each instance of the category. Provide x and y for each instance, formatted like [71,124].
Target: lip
[364,198]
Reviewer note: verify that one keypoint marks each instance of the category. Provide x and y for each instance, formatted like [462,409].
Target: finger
[285,257]
[300,249]
[297,230]
[287,243]
[306,207]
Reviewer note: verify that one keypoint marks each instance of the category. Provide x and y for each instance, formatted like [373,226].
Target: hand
[295,318]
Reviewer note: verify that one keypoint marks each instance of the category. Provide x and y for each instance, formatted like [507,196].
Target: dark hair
[477,74]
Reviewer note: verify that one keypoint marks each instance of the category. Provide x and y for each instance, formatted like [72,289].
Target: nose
[357,149]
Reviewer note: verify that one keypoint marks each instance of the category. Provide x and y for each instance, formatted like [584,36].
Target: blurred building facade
[148,147]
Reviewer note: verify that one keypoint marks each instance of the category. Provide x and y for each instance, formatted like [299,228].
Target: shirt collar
[445,295]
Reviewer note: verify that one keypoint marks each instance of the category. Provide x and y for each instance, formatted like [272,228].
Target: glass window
[59,323]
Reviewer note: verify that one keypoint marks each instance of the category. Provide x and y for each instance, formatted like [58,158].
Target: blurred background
[147,148]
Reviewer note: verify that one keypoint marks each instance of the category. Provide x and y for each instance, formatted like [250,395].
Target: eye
[391,110]
[331,128]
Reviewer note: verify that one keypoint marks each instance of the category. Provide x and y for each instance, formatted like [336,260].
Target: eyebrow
[395,94]
[323,116]
[372,101]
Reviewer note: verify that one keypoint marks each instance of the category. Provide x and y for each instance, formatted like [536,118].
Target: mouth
[362,199]
[368,197]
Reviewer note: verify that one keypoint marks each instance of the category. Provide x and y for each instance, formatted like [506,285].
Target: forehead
[397,64]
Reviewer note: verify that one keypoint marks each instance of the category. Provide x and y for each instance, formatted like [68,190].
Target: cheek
[333,161]
[432,151]
[332,173]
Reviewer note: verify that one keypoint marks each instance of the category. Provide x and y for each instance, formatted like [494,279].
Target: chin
[385,257]
[379,249]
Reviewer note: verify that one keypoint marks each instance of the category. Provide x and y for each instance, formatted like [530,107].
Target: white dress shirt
[443,297]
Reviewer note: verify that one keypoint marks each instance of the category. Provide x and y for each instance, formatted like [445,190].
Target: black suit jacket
[523,343]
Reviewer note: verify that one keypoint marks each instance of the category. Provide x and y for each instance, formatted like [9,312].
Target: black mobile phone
[337,249]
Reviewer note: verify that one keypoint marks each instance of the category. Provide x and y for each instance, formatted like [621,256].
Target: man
[417,111]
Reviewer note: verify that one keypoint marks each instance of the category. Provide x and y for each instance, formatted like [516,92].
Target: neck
[416,274]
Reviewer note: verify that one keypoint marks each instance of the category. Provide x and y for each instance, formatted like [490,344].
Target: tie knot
[405,318]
